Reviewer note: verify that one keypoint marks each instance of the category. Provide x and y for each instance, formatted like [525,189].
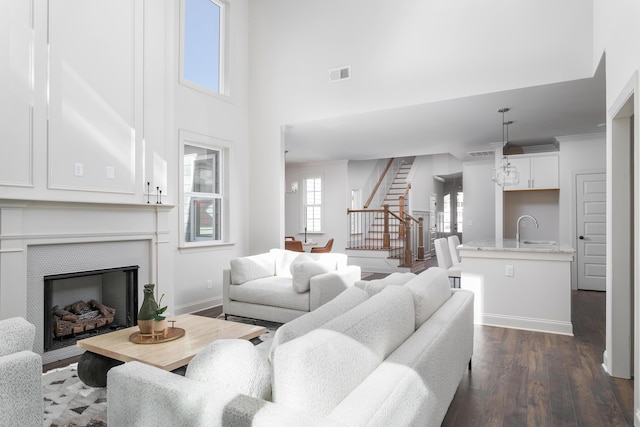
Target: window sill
[195,246]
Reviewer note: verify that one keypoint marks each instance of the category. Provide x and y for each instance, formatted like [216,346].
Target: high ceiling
[456,126]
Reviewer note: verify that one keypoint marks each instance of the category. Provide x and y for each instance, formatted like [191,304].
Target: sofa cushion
[274,291]
[302,272]
[234,365]
[318,317]
[253,267]
[376,285]
[338,260]
[284,259]
[316,371]
[431,289]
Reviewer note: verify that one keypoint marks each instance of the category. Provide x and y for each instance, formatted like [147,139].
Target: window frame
[223,147]
[223,68]
[304,205]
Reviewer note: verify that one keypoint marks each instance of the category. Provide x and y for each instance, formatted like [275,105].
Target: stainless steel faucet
[518,225]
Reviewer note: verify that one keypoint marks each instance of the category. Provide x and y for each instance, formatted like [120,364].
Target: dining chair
[291,244]
[454,242]
[325,248]
[443,256]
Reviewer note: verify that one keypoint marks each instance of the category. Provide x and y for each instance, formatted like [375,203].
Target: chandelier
[505,174]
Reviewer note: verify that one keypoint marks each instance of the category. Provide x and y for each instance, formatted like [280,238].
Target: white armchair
[21,400]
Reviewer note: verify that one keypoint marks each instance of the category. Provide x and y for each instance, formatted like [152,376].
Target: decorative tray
[172,334]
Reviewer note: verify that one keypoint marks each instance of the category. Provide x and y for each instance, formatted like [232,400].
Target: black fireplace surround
[126,289]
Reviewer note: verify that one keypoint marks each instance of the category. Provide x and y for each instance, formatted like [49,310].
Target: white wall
[616,32]
[97,84]
[479,204]
[337,199]
[427,54]
[580,153]
[542,205]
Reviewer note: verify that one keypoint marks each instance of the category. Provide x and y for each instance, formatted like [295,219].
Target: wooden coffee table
[112,349]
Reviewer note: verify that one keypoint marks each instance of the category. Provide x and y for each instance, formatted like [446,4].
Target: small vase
[147,309]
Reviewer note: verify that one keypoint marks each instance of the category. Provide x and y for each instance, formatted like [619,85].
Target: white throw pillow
[302,272]
[235,365]
[252,267]
[430,289]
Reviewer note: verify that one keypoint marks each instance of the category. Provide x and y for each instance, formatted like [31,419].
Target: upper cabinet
[536,172]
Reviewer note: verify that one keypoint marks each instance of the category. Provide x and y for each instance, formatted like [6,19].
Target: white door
[591,230]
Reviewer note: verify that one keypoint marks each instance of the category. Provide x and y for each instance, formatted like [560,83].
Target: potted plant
[160,321]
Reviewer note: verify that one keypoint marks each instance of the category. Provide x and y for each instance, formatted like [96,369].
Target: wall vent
[481,153]
[342,73]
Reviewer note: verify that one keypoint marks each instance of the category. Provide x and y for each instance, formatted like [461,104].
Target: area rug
[68,402]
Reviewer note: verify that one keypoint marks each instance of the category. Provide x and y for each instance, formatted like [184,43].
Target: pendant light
[505,174]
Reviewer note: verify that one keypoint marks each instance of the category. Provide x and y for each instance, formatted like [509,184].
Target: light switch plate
[508,271]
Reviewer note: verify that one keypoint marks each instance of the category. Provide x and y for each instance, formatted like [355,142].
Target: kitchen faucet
[518,225]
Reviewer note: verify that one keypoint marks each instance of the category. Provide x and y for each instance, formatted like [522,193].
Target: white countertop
[510,245]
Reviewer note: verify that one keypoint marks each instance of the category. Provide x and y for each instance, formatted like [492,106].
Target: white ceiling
[455,126]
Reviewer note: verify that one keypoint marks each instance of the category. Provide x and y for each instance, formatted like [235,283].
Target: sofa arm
[226,282]
[21,389]
[325,287]
[16,334]
[142,395]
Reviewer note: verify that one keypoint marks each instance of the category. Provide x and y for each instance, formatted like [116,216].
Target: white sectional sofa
[281,285]
[390,356]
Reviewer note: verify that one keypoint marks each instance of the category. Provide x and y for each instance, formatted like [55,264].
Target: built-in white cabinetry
[536,172]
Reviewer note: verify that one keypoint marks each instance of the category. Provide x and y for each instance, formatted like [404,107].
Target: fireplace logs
[80,317]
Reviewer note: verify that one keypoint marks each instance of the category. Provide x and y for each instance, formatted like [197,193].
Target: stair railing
[408,239]
[381,182]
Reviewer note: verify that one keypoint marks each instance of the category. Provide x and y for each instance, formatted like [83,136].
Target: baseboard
[198,306]
[528,324]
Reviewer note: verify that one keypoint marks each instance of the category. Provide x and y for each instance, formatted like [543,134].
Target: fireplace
[85,303]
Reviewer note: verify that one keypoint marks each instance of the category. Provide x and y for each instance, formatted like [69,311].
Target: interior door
[591,230]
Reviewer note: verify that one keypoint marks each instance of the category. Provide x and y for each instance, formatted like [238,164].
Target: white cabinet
[536,172]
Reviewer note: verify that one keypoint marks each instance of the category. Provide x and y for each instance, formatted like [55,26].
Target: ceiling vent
[342,73]
[481,153]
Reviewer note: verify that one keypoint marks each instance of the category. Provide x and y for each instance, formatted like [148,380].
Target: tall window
[203,44]
[459,211]
[446,226]
[202,180]
[313,204]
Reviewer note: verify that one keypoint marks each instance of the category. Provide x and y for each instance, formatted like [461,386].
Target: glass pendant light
[506,174]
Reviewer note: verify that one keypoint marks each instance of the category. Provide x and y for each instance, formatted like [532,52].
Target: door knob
[581,237]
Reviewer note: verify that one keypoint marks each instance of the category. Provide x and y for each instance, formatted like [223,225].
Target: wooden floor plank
[524,378]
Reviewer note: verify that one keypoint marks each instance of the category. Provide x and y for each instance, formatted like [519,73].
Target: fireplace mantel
[43,224]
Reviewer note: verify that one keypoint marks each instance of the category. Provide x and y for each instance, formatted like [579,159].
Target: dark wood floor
[522,378]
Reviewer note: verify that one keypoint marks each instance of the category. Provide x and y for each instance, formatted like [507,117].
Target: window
[203,210]
[203,44]
[459,211]
[312,204]
[446,226]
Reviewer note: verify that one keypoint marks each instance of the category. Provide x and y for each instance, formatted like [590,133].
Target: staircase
[369,255]
[392,198]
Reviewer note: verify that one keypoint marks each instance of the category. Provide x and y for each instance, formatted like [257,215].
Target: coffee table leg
[93,368]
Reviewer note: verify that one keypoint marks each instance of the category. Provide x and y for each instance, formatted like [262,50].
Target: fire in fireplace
[80,304]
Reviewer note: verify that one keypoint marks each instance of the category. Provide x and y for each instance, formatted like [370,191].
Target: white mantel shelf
[519,285]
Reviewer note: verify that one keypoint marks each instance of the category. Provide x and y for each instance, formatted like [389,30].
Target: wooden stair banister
[375,189]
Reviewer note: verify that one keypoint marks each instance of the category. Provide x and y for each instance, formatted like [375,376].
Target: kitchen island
[521,285]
